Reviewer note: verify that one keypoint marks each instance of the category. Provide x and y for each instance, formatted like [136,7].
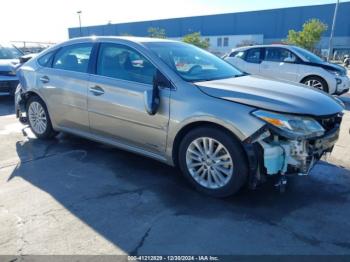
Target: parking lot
[73,196]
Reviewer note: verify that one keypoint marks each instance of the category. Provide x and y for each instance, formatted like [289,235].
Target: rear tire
[316,82]
[213,161]
[39,119]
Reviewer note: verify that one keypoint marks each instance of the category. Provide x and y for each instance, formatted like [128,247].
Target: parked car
[9,62]
[291,63]
[222,127]
[346,61]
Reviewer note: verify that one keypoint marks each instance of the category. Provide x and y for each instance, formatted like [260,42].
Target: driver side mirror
[151,96]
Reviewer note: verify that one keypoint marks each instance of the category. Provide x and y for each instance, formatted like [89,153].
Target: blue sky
[48,20]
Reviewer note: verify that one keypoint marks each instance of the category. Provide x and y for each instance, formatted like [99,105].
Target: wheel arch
[191,126]
[30,94]
[318,76]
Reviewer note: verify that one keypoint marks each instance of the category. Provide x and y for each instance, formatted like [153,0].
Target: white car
[291,63]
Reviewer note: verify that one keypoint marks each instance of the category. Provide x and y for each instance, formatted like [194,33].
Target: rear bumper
[20,106]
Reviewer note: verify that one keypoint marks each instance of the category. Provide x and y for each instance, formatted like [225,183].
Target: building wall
[221,44]
[273,25]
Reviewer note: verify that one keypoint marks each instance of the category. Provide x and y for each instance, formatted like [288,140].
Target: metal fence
[28,47]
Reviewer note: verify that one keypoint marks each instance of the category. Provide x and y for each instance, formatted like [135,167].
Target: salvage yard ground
[73,196]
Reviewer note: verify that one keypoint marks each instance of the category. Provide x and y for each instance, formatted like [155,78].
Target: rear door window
[46,60]
[73,58]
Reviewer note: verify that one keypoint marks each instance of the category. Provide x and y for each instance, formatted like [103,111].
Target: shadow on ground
[145,207]
[127,199]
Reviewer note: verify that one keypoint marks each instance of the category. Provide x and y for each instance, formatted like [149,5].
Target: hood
[285,97]
[329,66]
[8,64]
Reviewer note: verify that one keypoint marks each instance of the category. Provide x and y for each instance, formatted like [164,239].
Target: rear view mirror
[151,102]
[151,97]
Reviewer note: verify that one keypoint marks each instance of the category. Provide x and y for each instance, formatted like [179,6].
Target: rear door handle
[96,90]
[44,79]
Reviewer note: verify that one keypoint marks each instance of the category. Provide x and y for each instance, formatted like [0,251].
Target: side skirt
[117,144]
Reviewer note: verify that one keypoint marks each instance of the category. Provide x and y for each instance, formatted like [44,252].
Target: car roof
[243,48]
[133,39]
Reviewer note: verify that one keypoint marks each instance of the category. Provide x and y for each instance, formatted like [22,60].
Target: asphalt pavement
[73,196]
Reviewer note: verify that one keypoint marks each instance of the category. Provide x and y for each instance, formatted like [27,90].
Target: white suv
[291,63]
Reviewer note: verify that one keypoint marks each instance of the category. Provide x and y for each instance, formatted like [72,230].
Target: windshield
[311,57]
[192,63]
[9,52]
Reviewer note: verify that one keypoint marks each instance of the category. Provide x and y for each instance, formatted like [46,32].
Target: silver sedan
[180,105]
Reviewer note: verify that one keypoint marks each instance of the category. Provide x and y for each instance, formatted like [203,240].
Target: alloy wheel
[314,83]
[209,162]
[37,117]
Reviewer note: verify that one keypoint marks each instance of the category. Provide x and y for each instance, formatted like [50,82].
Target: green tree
[195,39]
[156,32]
[309,36]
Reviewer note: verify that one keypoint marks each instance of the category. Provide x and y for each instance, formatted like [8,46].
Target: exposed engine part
[282,156]
[274,157]
[271,153]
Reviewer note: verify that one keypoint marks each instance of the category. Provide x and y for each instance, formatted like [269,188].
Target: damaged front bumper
[271,154]
[20,105]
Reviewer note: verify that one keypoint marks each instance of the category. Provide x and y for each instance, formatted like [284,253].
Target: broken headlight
[291,126]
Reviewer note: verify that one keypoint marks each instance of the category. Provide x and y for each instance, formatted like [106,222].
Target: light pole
[330,51]
[79,13]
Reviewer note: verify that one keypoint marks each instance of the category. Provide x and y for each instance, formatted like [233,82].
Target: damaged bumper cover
[283,156]
[20,105]
[274,152]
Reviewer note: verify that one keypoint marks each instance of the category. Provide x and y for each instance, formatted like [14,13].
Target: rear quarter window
[73,58]
[46,60]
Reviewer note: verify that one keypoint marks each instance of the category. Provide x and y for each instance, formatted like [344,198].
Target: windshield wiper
[218,78]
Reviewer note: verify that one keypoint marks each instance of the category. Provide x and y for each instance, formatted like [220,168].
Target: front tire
[39,119]
[316,82]
[213,161]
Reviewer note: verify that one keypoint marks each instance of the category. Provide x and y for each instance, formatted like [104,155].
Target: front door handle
[96,90]
[44,79]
